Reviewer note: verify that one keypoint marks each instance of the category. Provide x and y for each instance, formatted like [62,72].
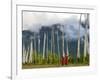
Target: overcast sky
[43,18]
[35,20]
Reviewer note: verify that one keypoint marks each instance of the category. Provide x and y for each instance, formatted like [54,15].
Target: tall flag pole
[67,40]
[63,41]
[51,41]
[53,44]
[27,54]
[38,44]
[47,47]
[58,44]
[86,36]
[67,47]
[78,48]
[87,41]
[31,50]
[34,48]
[23,55]
[44,42]
[63,53]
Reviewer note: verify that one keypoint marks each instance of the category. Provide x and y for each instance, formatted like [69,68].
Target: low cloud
[34,22]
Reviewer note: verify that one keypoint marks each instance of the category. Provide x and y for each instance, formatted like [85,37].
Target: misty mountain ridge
[71,27]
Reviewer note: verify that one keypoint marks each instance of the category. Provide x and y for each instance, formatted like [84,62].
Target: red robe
[62,60]
[66,59]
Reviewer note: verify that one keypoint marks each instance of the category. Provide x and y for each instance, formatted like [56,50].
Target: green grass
[53,60]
